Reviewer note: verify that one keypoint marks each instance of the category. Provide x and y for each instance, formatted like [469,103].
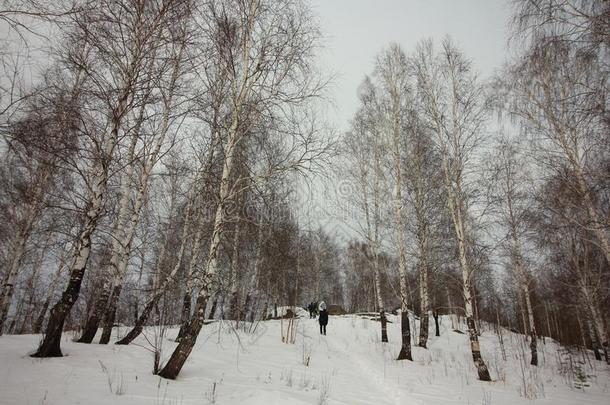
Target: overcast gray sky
[356,30]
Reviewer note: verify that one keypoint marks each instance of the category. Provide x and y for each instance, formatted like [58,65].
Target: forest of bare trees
[493,196]
[149,173]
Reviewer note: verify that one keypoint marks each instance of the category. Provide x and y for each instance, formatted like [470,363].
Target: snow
[348,366]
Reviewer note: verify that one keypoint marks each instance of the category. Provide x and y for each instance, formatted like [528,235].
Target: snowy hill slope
[348,366]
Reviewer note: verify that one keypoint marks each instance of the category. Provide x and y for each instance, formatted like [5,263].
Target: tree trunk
[384,325]
[215,305]
[527,313]
[425,306]
[249,307]
[372,228]
[136,296]
[182,351]
[499,333]
[476,351]
[93,321]
[139,325]
[594,340]
[405,330]
[456,211]
[533,347]
[423,329]
[50,346]
[185,315]
[124,237]
[234,296]
[600,328]
[234,312]
[185,346]
[405,351]
[178,358]
[107,303]
[533,334]
[110,314]
[421,190]
[436,325]
[382,317]
[595,220]
[43,311]
[188,294]
[482,370]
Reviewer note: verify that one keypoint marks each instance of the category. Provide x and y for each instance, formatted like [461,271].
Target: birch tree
[511,203]
[452,101]
[362,144]
[266,50]
[112,70]
[581,269]
[392,73]
[558,92]
[426,197]
[170,89]
[36,146]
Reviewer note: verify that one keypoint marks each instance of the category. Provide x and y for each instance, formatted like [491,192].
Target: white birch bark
[233,292]
[391,68]
[125,232]
[509,183]
[450,101]
[240,92]
[98,185]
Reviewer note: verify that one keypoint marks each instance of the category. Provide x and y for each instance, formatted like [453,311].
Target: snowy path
[367,371]
[354,361]
[354,370]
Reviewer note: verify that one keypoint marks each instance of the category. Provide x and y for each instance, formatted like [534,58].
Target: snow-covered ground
[348,366]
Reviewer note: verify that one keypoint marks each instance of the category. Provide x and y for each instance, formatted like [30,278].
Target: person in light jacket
[323,318]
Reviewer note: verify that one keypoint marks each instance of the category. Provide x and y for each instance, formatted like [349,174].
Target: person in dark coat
[323,319]
[310,308]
